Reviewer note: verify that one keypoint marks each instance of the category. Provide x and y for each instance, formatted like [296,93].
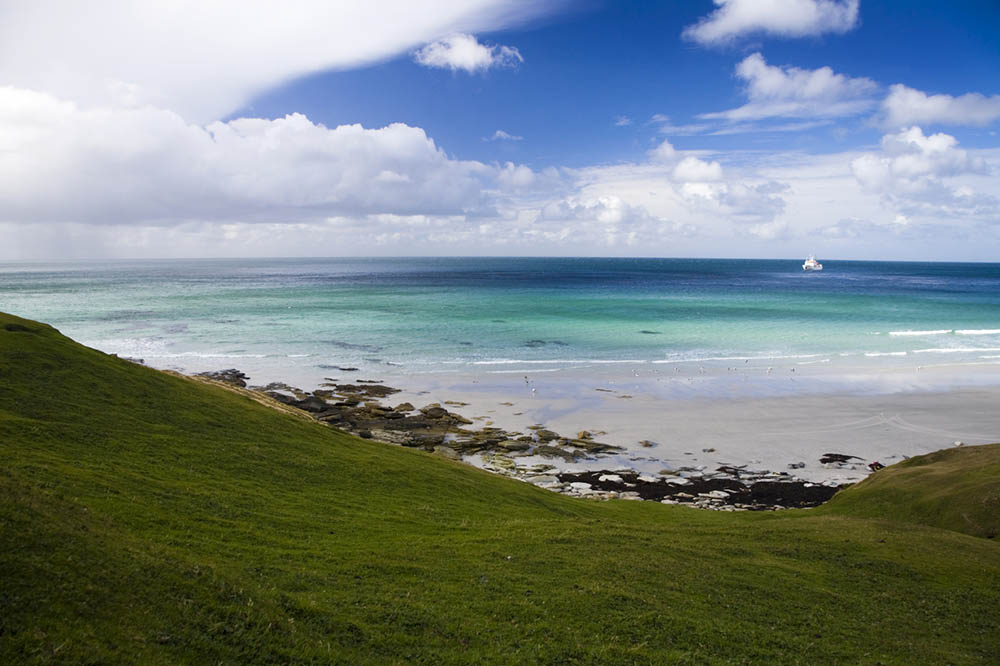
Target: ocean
[300,320]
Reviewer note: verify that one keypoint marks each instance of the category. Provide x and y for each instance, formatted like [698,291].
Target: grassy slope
[956,489]
[145,518]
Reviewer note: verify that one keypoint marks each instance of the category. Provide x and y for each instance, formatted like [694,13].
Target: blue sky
[603,60]
[849,128]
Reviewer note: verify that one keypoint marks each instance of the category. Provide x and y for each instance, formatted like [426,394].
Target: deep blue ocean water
[305,317]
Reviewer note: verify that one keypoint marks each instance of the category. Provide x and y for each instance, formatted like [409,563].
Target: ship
[811,264]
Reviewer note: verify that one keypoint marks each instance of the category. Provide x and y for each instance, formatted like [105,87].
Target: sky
[707,128]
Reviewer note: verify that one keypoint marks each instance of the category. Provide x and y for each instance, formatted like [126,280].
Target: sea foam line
[899,353]
[946,331]
[942,331]
[512,361]
[735,358]
[955,350]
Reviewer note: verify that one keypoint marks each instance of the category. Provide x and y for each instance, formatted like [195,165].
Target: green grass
[148,518]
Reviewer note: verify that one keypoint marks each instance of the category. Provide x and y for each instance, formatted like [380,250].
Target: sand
[706,417]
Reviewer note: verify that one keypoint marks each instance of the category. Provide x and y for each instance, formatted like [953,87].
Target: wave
[942,331]
[899,353]
[700,359]
[201,355]
[948,331]
[955,350]
[575,361]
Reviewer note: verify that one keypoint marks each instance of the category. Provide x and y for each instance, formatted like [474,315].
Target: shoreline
[727,453]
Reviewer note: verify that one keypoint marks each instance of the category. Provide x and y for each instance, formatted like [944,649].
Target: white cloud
[622,121]
[500,135]
[206,59]
[464,52]
[692,169]
[62,162]
[609,220]
[686,167]
[790,92]
[906,106]
[913,174]
[783,18]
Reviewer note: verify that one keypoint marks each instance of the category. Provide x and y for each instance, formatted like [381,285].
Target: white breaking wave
[979,331]
[942,331]
[955,350]
[575,361]
[899,353]
[736,358]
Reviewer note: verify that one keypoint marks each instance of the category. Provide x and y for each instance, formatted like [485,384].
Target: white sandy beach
[698,416]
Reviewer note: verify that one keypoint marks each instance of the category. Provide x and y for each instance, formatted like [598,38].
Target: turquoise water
[302,318]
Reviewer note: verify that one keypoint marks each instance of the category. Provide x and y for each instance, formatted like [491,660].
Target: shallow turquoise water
[302,317]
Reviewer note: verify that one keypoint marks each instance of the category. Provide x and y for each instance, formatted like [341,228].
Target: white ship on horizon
[811,264]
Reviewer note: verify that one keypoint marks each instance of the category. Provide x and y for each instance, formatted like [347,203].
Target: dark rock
[434,412]
[230,376]
[760,495]
[836,458]
[546,435]
[404,407]
[312,404]
[281,397]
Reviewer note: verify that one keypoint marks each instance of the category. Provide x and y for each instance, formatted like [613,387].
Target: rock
[708,450]
[404,407]
[836,458]
[230,376]
[580,485]
[312,404]
[584,434]
[796,465]
[554,452]
[434,411]
[959,443]
[614,478]
[281,397]
[647,443]
[447,452]
[539,479]
[512,445]
[546,435]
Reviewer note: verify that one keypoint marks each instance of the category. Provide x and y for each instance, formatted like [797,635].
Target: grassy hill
[148,518]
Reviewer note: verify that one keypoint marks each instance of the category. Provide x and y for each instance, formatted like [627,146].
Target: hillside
[149,518]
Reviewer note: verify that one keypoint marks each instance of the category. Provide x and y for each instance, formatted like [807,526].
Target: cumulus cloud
[790,92]
[691,169]
[63,162]
[686,167]
[206,59]
[913,172]
[610,221]
[782,18]
[907,106]
[464,52]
